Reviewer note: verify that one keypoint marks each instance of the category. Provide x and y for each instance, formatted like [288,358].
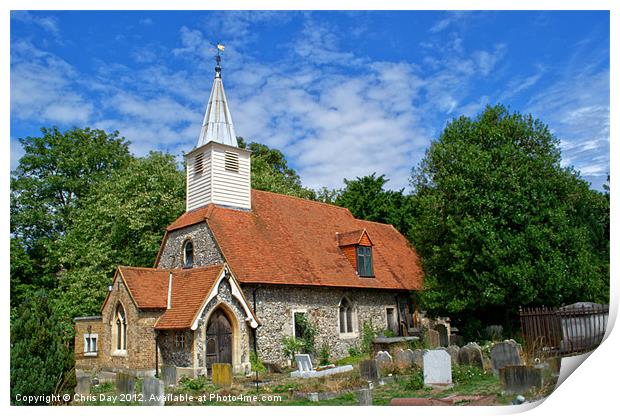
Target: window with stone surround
[347,318]
[179,340]
[90,345]
[120,330]
[188,254]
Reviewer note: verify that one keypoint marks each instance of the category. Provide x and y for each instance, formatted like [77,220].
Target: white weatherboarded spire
[217,125]
[218,171]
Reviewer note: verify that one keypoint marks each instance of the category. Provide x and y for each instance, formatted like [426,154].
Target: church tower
[218,171]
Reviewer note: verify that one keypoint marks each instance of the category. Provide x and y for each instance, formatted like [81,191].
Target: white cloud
[47,23]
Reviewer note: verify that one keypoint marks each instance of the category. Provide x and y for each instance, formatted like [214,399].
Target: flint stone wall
[276,305]
[206,252]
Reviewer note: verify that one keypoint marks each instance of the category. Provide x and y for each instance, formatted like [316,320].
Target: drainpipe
[398,315]
[156,355]
[254,331]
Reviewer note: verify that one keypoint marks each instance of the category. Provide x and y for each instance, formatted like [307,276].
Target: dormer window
[188,254]
[364,261]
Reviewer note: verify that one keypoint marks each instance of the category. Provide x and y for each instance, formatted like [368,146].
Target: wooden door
[219,340]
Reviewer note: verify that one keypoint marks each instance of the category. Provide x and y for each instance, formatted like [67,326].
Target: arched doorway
[219,339]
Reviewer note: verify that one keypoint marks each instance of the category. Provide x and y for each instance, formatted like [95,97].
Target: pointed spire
[217,125]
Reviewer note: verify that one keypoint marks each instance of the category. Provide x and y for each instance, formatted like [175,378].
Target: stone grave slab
[403,358]
[453,350]
[432,338]
[125,383]
[418,358]
[152,392]
[169,375]
[505,353]
[369,370]
[83,385]
[437,367]
[221,374]
[520,378]
[471,354]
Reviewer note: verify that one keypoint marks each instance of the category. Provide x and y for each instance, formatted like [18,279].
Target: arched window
[346,315]
[188,254]
[121,328]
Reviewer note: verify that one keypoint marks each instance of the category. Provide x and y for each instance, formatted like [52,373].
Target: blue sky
[342,94]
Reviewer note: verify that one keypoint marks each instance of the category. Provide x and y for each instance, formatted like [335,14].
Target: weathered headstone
[403,358]
[418,358]
[384,360]
[494,332]
[303,362]
[453,350]
[505,353]
[83,385]
[520,378]
[152,392]
[221,375]
[169,375]
[125,383]
[364,397]
[313,397]
[369,370]
[437,367]
[432,338]
[471,354]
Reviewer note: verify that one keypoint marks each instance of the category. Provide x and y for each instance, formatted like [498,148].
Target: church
[240,267]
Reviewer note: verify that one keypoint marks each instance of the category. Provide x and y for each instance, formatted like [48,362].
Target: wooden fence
[570,330]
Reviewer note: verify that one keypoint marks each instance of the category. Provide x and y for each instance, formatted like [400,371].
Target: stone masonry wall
[276,305]
[205,250]
[140,355]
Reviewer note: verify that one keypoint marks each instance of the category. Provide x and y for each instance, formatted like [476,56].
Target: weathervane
[218,59]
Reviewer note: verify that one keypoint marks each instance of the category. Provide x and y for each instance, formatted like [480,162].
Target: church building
[238,270]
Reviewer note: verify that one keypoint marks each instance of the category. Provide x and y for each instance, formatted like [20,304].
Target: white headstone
[437,367]
[303,362]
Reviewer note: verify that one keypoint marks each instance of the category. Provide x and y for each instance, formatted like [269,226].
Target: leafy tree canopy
[122,221]
[367,200]
[501,223]
[270,171]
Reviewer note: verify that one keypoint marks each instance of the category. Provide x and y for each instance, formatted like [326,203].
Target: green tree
[367,200]
[41,357]
[270,171]
[56,171]
[501,223]
[120,222]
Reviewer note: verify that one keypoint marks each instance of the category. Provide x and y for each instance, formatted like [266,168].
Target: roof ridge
[304,199]
[158,269]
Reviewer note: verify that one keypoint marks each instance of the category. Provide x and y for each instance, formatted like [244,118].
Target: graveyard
[493,373]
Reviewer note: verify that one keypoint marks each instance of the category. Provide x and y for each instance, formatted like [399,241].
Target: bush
[415,381]
[197,384]
[256,363]
[354,351]
[368,336]
[308,331]
[324,354]
[41,355]
[290,347]
[388,333]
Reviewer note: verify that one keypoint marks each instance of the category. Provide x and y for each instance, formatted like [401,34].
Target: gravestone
[495,332]
[169,375]
[520,378]
[369,370]
[432,338]
[403,359]
[304,363]
[437,367]
[152,392]
[505,353]
[471,354]
[83,385]
[384,360]
[418,358]
[364,397]
[313,397]
[453,350]
[221,374]
[125,383]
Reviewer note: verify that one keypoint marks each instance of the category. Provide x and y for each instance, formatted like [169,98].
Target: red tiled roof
[147,287]
[288,240]
[350,238]
[190,288]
